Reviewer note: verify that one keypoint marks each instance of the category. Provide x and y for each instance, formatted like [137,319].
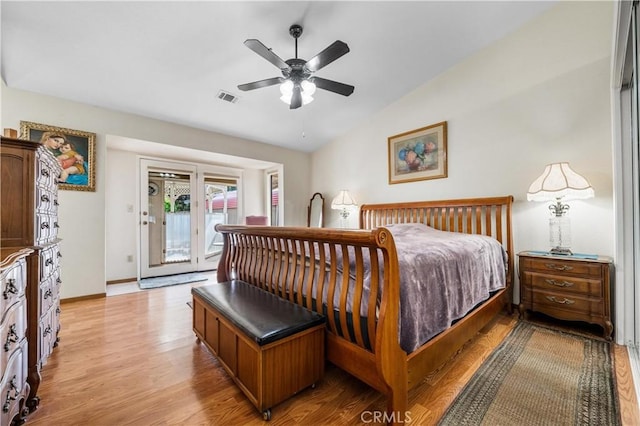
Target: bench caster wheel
[266,415]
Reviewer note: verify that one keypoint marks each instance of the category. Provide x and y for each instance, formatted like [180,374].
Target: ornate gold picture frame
[74,150]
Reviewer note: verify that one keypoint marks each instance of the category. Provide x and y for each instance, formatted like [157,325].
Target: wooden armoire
[29,219]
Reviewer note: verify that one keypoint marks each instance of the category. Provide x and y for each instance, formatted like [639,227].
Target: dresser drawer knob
[47,331]
[558,267]
[47,294]
[11,288]
[12,337]
[44,225]
[55,225]
[48,262]
[45,172]
[12,388]
[44,198]
[564,300]
[55,202]
[559,283]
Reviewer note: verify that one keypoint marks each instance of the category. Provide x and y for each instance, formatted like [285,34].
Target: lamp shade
[559,181]
[343,200]
[307,89]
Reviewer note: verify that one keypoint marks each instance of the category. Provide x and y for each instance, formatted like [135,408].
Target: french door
[168,218]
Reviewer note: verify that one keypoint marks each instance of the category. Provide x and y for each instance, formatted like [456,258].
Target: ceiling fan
[298,83]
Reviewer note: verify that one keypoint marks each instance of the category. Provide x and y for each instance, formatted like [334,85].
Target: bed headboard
[486,216]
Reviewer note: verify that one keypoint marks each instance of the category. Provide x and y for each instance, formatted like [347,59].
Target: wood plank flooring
[132,359]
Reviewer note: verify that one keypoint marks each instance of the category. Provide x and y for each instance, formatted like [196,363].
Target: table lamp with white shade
[559,183]
[345,203]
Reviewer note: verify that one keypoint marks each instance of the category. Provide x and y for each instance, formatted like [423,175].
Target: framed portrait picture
[74,150]
[419,154]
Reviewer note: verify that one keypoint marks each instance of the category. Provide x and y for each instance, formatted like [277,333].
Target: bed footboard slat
[343,308]
[332,289]
[357,298]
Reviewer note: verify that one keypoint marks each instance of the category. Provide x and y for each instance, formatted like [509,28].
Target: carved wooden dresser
[29,219]
[14,388]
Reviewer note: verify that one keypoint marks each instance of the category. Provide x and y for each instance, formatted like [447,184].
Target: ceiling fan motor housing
[297,71]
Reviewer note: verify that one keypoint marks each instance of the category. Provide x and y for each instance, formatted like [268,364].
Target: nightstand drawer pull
[558,267]
[559,283]
[565,301]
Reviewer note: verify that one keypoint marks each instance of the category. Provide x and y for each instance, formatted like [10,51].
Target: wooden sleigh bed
[288,261]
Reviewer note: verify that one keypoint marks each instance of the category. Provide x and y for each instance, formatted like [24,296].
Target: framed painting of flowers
[418,154]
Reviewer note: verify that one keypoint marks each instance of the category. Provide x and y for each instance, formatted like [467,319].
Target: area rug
[540,376]
[147,283]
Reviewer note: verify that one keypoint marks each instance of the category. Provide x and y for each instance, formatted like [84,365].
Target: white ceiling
[168,60]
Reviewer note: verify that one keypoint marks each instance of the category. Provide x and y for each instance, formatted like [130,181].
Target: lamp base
[561,251]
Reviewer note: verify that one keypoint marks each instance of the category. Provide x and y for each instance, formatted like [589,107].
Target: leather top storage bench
[272,348]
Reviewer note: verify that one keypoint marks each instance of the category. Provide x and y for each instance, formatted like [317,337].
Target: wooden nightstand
[576,288]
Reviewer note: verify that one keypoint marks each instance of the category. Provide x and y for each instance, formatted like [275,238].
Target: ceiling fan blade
[260,83]
[328,55]
[266,53]
[332,86]
[296,98]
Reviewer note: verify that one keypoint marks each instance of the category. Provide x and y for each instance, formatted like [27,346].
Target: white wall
[254,195]
[121,225]
[538,96]
[83,214]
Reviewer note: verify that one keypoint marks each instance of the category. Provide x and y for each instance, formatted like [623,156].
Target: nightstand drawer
[562,266]
[566,284]
[576,307]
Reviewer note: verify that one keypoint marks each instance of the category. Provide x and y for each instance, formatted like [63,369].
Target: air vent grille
[226,96]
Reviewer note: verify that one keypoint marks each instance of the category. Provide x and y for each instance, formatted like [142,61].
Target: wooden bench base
[266,374]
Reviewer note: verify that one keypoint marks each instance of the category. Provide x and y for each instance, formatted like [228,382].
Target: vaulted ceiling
[169,60]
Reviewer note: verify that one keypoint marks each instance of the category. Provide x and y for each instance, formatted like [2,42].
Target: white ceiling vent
[226,96]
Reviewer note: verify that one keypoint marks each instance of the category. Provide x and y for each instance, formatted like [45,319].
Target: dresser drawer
[46,228]
[46,295]
[12,386]
[563,266]
[12,331]
[46,174]
[563,283]
[574,307]
[47,337]
[49,261]
[46,201]
[12,285]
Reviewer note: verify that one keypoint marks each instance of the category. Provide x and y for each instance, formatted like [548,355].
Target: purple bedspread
[443,276]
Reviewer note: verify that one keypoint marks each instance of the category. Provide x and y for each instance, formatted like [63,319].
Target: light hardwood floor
[132,359]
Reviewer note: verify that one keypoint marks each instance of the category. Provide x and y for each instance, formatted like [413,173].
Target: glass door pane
[274,203]
[173,230]
[221,206]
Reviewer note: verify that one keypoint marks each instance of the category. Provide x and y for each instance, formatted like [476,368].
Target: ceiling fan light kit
[297,84]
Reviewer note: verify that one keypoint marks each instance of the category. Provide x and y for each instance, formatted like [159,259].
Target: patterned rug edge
[493,357]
